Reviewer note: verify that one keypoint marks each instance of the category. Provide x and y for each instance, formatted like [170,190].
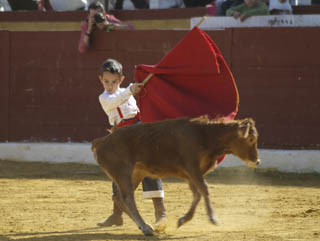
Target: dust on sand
[42,201]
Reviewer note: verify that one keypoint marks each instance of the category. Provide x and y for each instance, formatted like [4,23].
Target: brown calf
[185,148]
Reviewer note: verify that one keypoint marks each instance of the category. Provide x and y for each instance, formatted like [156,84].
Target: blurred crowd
[72,5]
[217,7]
[239,9]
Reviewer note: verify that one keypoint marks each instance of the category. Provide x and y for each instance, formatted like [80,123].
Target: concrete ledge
[298,161]
[258,21]
[160,24]
[47,152]
[40,26]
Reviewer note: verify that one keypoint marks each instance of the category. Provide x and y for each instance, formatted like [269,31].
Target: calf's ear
[244,129]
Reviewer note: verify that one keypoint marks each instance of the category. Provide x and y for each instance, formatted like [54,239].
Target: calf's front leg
[189,215]
[203,189]
[196,178]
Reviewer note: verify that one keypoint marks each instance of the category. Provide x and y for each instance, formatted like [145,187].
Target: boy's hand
[236,15]
[136,88]
[243,17]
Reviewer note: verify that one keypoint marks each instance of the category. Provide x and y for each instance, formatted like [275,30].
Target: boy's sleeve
[238,8]
[259,10]
[115,100]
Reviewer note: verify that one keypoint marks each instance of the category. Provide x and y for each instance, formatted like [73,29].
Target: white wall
[47,152]
[299,161]
[258,21]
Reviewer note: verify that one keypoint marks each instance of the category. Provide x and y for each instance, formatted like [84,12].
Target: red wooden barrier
[141,14]
[54,89]
[4,83]
[277,72]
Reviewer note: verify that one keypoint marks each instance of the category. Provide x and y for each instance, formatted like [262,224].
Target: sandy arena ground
[41,201]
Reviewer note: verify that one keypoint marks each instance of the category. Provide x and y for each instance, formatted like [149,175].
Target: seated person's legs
[140,4]
[225,6]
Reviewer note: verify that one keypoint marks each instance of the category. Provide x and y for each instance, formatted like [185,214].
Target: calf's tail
[96,142]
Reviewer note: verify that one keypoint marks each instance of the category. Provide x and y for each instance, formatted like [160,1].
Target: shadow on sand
[233,176]
[87,235]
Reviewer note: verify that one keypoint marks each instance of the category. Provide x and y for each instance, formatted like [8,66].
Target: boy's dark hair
[96,5]
[111,66]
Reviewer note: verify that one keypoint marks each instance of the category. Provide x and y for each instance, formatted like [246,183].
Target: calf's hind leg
[126,197]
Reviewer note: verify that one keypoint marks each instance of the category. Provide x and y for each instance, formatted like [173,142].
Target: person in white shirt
[280,7]
[121,108]
[70,5]
[4,6]
[157,4]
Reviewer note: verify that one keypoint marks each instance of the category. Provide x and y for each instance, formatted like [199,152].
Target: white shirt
[166,4]
[4,6]
[123,99]
[68,5]
[275,4]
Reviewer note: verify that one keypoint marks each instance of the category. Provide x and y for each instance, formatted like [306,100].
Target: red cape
[193,79]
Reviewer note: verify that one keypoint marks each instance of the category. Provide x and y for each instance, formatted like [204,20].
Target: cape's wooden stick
[145,81]
[201,20]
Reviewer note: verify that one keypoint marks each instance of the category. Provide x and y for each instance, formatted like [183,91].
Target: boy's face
[111,81]
[251,3]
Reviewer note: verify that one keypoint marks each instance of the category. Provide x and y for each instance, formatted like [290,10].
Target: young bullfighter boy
[122,110]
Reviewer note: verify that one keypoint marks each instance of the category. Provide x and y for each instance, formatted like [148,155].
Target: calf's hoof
[181,221]
[147,230]
[214,221]
[113,220]
[161,225]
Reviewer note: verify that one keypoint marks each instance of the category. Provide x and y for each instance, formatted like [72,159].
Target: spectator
[103,24]
[225,5]
[196,3]
[4,6]
[280,7]
[63,5]
[139,4]
[247,9]
[157,4]
[17,5]
[211,8]
[89,25]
